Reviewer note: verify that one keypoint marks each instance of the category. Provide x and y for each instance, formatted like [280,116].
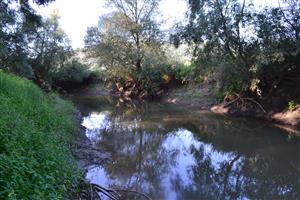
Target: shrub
[184,74]
[71,72]
[152,79]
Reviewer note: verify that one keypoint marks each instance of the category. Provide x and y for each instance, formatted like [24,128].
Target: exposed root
[243,99]
[258,104]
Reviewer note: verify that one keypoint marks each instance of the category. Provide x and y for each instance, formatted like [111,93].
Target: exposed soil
[287,120]
[204,99]
[200,98]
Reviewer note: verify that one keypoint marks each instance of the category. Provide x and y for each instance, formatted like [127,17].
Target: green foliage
[291,105]
[71,72]
[36,46]
[258,48]
[121,42]
[51,47]
[35,136]
[291,136]
[128,45]
[18,22]
[185,74]
[152,79]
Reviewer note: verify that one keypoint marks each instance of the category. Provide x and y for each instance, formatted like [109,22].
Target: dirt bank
[198,98]
[287,120]
[283,117]
[204,99]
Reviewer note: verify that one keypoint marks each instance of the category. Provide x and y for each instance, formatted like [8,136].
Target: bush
[72,72]
[35,135]
[184,74]
[153,79]
[150,79]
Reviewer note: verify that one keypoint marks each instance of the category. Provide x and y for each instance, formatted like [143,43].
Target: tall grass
[35,135]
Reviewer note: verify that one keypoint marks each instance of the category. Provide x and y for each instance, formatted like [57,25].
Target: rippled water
[173,153]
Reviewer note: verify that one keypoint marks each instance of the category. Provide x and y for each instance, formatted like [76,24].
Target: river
[171,153]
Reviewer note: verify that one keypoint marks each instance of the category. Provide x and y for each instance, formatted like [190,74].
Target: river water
[171,153]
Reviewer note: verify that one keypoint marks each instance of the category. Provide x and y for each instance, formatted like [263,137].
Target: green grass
[35,136]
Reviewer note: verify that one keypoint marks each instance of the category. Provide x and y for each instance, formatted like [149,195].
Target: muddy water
[174,153]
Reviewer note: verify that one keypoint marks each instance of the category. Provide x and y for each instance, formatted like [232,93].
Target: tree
[278,56]
[131,29]
[251,51]
[36,47]
[51,47]
[17,23]
[139,23]
[108,42]
[217,29]
[127,44]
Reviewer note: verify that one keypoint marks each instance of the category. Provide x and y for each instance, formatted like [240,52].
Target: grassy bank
[35,135]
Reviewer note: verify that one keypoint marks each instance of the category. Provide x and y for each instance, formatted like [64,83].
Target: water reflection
[172,154]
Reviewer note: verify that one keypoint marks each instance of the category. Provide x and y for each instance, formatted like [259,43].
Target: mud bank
[204,100]
[288,120]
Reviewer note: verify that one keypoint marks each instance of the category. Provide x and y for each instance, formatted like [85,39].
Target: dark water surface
[174,153]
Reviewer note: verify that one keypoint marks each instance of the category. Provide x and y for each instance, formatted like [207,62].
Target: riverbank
[195,97]
[286,119]
[204,99]
[36,135]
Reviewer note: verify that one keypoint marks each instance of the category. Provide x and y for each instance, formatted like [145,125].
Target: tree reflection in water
[174,155]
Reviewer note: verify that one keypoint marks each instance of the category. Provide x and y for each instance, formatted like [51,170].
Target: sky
[78,15]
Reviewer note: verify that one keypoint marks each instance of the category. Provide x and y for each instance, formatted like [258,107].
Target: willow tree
[140,23]
[131,29]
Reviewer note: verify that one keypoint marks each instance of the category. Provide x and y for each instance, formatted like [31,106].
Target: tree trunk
[138,46]
[138,64]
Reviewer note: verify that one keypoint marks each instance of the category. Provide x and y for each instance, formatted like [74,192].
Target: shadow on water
[172,153]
